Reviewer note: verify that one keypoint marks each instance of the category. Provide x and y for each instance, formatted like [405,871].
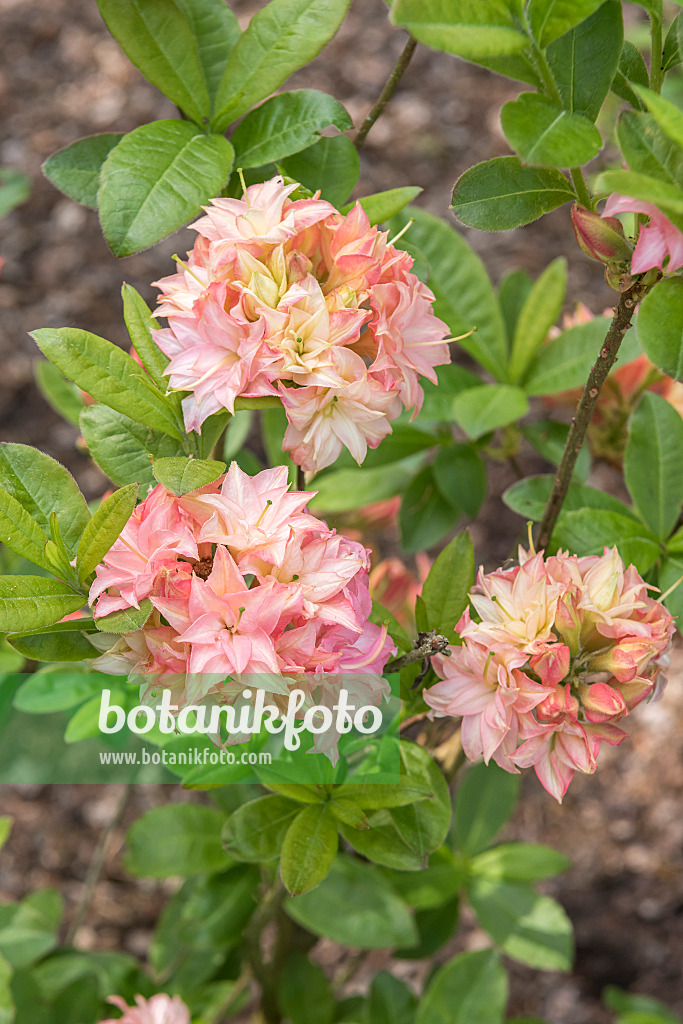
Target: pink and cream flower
[158,1009]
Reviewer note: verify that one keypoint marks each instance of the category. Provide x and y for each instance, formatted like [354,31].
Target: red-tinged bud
[568,620]
[602,702]
[551,665]
[558,706]
[601,238]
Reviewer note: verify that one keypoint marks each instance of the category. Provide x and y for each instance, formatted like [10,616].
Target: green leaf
[653,468]
[660,326]
[57,689]
[349,489]
[666,114]
[75,170]
[15,189]
[647,149]
[446,589]
[425,516]
[255,831]
[460,474]
[29,602]
[666,196]
[354,906]
[27,929]
[64,397]
[348,812]
[330,164]
[176,839]
[402,442]
[42,486]
[127,620]
[636,1009]
[673,48]
[423,825]
[304,993]
[157,179]
[382,843]
[462,288]
[84,724]
[531,928]
[438,403]
[502,193]
[55,644]
[470,989]
[565,362]
[549,439]
[545,135]
[183,475]
[632,68]
[483,409]
[550,19]
[286,124]
[104,528]
[584,60]
[529,498]
[122,448]
[21,533]
[308,849]
[519,862]
[104,371]
[436,926]
[5,829]
[483,803]
[156,36]
[432,887]
[216,30]
[382,206]
[140,323]
[390,1001]
[381,616]
[588,531]
[465,27]
[281,37]
[538,314]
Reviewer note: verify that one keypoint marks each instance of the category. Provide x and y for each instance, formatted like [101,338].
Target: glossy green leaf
[382,843]
[538,314]
[519,862]
[464,294]
[632,68]
[303,793]
[57,689]
[436,926]
[647,149]
[531,928]
[28,929]
[56,644]
[381,616]
[425,516]
[666,196]
[156,36]
[308,849]
[286,124]
[432,887]
[330,164]
[157,179]
[255,831]
[390,1001]
[183,475]
[304,993]
[216,30]
[280,38]
[660,326]
[585,59]
[549,438]
[653,468]
[108,374]
[64,397]
[42,486]
[460,474]
[666,114]
[75,170]
[438,402]
[139,324]
[348,812]
[483,803]
[20,532]
[513,292]
[470,989]
[565,362]
[127,620]
[84,724]
[588,531]
[502,193]
[122,448]
[550,19]
[671,578]
[673,46]
[529,498]
[354,906]
[176,839]
[483,409]
[382,206]
[349,489]
[29,602]
[545,135]
[377,796]
[423,825]
[464,27]
[401,443]
[104,528]
[446,589]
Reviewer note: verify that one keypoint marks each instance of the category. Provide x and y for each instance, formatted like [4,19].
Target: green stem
[584,196]
[656,74]
[266,973]
[387,92]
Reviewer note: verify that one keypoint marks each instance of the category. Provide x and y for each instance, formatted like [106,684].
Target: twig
[263,972]
[387,92]
[95,867]
[427,645]
[621,321]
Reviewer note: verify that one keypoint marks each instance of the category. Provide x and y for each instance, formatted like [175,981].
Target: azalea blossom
[158,1009]
[659,241]
[563,648]
[291,298]
[243,583]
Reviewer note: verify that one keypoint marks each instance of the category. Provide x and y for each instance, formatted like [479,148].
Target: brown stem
[621,321]
[387,92]
[267,910]
[427,645]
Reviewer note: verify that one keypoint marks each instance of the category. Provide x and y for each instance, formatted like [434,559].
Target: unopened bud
[602,702]
[601,238]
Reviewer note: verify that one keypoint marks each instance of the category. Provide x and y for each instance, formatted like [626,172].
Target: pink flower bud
[559,706]
[552,664]
[602,702]
[601,238]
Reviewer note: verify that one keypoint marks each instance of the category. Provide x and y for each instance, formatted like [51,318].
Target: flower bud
[602,702]
[601,238]
[552,664]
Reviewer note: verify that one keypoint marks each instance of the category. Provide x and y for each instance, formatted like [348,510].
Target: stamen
[268,504]
[663,597]
[529,527]
[240,174]
[188,269]
[392,241]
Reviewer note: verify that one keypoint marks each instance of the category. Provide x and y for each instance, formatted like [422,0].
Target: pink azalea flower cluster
[565,648]
[242,581]
[159,1009]
[293,299]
